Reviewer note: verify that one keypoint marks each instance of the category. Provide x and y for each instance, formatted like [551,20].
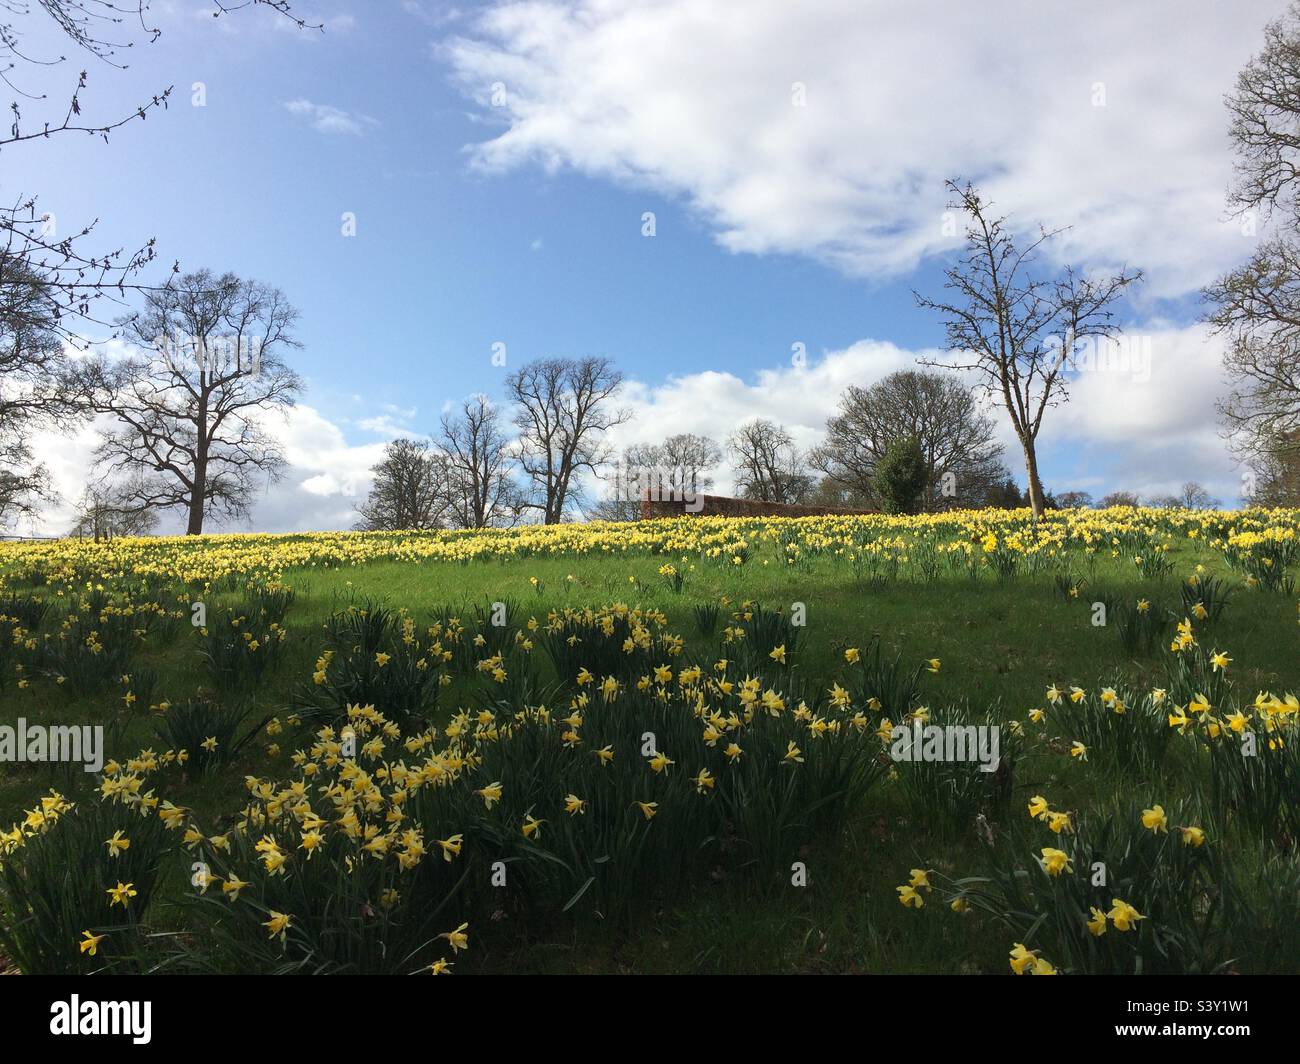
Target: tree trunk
[195,526]
[1031,470]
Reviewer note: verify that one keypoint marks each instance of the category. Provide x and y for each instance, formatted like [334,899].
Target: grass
[1002,642]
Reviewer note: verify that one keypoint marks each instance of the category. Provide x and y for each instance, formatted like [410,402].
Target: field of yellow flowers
[665,746]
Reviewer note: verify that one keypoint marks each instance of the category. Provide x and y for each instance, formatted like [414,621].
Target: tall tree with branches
[678,468]
[478,459]
[768,465]
[686,460]
[188,405]
[105,511]
[938,411]
[1256,307]
[1275,474]
[1018,331]
[33,391]
[409,489]
[563,410]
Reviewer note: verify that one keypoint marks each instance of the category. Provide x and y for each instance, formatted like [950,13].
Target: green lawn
[1002,642]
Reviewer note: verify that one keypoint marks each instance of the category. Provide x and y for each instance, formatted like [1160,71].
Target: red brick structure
[723,506]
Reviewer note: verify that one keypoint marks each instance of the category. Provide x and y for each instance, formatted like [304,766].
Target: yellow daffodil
[121,893]
[117,843]
[909,898]
[458,939]
[278,924]
[1123,915]
[1021,959]
[1154,819]
[90,942]
[490,794]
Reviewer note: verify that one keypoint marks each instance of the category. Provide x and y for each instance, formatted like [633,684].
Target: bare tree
[409,490]
[1192,496]
[1265,124]
[639,472]
[1019,332]
[563,411]
[24,485]
[75,279]
[679,468]
[687,460]
[1075,500]
[768,465]
[613,507]
[105,511]
[956,440]
[1275,473]
[1119,498]
[1257,306]
[189,403]
[478,460]
[33,391]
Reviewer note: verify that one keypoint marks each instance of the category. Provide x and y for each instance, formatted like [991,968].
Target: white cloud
[693,98]
[327,119]
[1148,436]
[66,457]
[326,477]
[393,421]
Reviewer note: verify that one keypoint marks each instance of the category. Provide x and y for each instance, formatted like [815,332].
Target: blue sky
[775,224]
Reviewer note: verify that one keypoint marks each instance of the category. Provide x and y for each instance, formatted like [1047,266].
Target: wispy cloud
[433,14]
[325,118]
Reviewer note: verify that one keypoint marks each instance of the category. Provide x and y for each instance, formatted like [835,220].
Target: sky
[500,160]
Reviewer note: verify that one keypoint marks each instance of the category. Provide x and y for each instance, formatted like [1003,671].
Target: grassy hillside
[331,730]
